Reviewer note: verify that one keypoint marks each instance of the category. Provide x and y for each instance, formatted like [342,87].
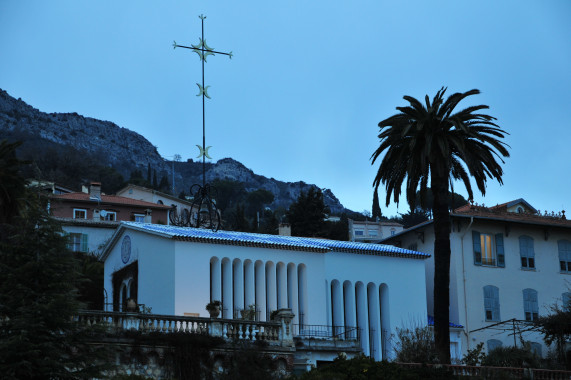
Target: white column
[292,292]
[227,303]
[249,282]
[385,322]
[362,316]
[302,294]
[374,320]
[349,303]
[215,280]
[271,299]
[238,281]
[260,290]
[281,285]
[337,306]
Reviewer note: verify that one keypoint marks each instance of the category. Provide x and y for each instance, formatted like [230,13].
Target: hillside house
[509,264]
[91,217]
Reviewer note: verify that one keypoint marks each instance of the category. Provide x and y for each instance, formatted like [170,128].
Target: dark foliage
[247,361]
[412,218]
[307,214]
[38,300]
[90,287]
[188,356]
[517,357]
[376,210]
[12,184]
[365,368]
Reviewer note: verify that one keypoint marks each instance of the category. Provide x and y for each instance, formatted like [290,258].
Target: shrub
[416,345]
[511,357]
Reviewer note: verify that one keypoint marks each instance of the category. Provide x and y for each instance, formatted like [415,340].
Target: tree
[412,218]
[422,144]
[257,199]
[39,338]
[454,200]
[376,206]
[12,185]
[306,215]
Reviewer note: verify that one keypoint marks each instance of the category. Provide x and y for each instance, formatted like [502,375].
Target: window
[526,252]
[393,231]
[530,306]
[79,213]
[486,252]
[77,243]
[139,218]
[359,232]
[159,202]
[413,247]
[109,215]
[564,247]
[493,344]
[492,303]
[372,232]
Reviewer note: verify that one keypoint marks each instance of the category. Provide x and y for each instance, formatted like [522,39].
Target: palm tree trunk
[439,185]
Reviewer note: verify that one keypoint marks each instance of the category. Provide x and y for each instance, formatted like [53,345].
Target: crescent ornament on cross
[203,90]
[204,152]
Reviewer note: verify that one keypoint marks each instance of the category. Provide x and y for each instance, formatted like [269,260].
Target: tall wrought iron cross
[203,211]
[203,51]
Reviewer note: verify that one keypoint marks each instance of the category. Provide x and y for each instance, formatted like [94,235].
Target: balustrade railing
[225,328]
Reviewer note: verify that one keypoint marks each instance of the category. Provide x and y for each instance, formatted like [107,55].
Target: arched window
[536,348]
[493,344]
[564,248]
[530,305]
[492,303]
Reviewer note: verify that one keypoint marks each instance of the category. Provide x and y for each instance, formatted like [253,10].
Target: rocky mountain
[125,151]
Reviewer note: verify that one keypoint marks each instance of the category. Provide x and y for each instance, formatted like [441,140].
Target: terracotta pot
[131,305]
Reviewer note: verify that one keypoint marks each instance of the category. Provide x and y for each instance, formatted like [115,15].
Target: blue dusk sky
[309,81]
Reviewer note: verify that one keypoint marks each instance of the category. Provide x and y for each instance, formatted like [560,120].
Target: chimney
[95,190]
[284,229]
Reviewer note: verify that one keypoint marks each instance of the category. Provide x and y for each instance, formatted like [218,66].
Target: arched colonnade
[366,307]
[267,285]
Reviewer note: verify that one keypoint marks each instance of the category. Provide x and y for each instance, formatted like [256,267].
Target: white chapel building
[178,270]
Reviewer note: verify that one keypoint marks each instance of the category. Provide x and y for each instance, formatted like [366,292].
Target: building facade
[342,286]
[509,264]
[369,231]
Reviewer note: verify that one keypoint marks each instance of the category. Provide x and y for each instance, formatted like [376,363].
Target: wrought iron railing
[327,332]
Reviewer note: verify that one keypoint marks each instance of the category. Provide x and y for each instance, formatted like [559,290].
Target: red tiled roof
[109,199]
[499,213]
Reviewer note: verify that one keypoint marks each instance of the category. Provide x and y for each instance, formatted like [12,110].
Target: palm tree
[432,143]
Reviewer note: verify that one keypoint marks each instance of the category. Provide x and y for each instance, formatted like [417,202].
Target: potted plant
[213,308]
[249,314]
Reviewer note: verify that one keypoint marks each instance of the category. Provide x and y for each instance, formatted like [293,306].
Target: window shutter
[477,248]
[500,250]
[496,309]
[83,242]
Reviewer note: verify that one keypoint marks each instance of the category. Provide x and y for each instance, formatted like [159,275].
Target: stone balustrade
[278,332]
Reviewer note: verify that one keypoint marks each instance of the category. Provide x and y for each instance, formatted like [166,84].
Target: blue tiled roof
[277,241]
[451,324]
